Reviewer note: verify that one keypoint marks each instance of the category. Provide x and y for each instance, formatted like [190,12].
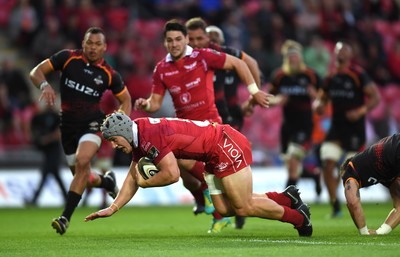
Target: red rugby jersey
[187,139]
[190,83]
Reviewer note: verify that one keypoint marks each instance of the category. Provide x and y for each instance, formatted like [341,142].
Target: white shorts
[331,151]
[296,150]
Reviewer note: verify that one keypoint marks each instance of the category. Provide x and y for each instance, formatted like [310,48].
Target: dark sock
[198,197]
[106,182]
[291,182]
[336,206]
[72,201]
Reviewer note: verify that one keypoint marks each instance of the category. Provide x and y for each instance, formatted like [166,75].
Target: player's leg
[295,155]
[192,174]
[330,155]
[194,186]
[236,197]
[83,177]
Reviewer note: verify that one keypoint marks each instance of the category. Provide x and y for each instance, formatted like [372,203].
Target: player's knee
[82,163]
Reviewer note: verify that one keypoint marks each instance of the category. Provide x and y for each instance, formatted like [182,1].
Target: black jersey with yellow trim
[82,85]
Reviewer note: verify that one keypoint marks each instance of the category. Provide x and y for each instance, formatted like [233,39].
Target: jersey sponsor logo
[372,180]
[194,54]
[153,152]
[191,106]
[293,90]
[221,166]
[229,80]
[81,88]
[190,66]
[171,73]
[193,83]
[185,98]
[232,152]
[88,71]
[348,85]
[175,90]
[341,94]
[98,80]
[94,126]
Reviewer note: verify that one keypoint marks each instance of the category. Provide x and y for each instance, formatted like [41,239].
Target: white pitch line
[317,242]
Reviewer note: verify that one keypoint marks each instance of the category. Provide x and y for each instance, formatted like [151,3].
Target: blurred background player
[352,94]
[226,82]
[182,73]
[85,76]
[295,87]
[46,137]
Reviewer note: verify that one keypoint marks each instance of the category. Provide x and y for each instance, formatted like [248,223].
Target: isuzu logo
[81,88]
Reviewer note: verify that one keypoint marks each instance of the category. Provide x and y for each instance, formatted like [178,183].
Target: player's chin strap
[135,134]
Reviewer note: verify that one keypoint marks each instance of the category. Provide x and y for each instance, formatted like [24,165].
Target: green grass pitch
[175,231]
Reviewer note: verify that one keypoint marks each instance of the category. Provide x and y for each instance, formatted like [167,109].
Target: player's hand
[248,107]
[48,95]
[100,214]
[354,115]
[140,104]
[140,180]
[262,98]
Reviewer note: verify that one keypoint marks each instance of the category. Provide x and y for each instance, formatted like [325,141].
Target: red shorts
[231,154]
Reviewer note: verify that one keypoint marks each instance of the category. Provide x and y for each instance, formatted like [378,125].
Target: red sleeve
[214,59]
[158,85]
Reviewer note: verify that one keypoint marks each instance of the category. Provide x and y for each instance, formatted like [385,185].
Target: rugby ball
[146,167]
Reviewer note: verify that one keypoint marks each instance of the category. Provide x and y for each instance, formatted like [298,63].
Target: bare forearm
[393,219]
[254,69]
[357,214]
[128,190]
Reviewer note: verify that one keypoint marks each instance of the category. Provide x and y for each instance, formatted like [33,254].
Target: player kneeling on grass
[227,155]
[379,163]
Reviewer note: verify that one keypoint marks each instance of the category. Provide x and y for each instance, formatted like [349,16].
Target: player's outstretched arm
[352,194]
[100,214]
[128,190]
[393,219]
